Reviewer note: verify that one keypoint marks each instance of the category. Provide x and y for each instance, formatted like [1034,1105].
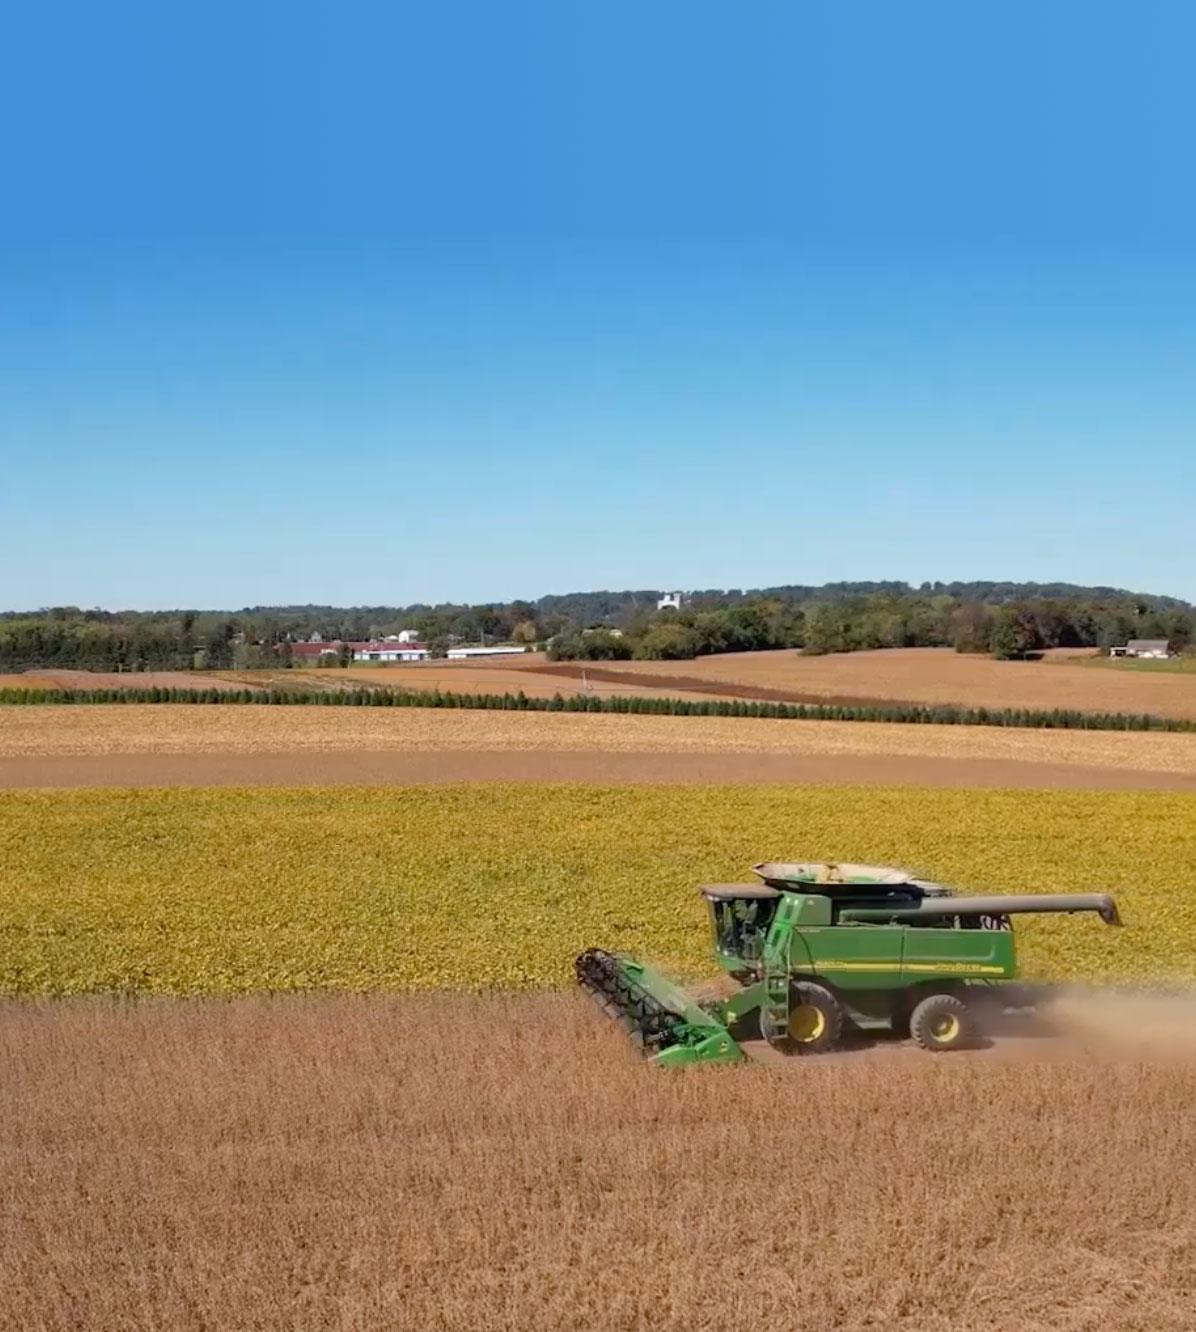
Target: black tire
[816,1018]
[942,1022]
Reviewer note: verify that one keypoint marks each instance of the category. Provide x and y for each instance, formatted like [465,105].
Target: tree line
[938,714]
[1004,619]
[1007,630]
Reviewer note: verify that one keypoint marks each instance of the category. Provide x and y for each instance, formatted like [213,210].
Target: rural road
[416,767]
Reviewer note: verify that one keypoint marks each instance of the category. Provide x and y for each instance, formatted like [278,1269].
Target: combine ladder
[774,1012]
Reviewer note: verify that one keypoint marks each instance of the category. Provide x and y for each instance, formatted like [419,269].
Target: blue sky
[383,303]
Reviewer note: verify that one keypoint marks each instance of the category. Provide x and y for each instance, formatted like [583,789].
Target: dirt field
[453,1164]
[918,675]
[169,745]
[66,679]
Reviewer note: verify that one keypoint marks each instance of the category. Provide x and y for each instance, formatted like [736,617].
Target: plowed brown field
[454,1164]
[916,675]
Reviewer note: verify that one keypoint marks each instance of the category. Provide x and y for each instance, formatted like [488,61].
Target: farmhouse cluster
[403,646]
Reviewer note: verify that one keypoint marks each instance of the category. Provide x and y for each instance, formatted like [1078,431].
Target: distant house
[670,601]
[1156,648]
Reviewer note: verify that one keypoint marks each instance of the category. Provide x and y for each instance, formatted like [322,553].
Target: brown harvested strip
[182,729]
[616,768]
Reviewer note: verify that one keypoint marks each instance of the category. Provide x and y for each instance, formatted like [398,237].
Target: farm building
[1156,648]
[314,651]
[462,653]
[385,649]
[390,649]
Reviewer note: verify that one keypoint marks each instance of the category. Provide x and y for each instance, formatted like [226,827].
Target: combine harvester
[823,950]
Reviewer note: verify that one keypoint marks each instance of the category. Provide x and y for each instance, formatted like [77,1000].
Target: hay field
[227,891]
[162,728]
[453,1164]
[915,675]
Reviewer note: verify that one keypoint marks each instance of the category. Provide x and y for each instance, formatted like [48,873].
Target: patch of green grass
[1181,665]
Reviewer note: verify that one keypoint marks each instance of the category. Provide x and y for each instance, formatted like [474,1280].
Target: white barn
[463,653]
[1157,649]
[390,649]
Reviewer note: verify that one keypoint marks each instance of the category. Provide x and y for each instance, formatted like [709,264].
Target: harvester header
[822,950]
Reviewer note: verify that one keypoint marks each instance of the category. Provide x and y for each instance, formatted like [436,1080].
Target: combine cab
[820,951]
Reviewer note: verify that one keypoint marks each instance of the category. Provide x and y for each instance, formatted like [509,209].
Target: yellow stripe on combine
[972,967]
[953,966]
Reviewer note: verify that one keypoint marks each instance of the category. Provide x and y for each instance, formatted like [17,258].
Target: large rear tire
[815,1018]
[941,1022]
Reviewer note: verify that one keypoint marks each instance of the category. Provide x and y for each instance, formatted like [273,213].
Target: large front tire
[815,1018]
[941,1022]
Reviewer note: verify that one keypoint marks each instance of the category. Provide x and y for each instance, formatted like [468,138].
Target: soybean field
[499,886]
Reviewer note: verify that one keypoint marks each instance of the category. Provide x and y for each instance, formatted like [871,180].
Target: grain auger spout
[821,951]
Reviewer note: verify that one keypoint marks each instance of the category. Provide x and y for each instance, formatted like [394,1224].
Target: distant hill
[605,606]
[597,607]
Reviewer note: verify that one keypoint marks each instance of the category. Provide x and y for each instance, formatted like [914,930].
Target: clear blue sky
[370,303]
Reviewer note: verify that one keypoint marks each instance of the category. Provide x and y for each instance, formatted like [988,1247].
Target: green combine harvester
[821,951]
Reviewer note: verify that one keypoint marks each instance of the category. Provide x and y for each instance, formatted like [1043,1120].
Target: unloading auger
[821,950]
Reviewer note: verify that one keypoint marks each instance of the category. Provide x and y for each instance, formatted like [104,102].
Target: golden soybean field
[237,890]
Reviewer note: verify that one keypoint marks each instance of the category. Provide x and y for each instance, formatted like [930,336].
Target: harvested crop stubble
[181,729]
[410,888]
[453,1164]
